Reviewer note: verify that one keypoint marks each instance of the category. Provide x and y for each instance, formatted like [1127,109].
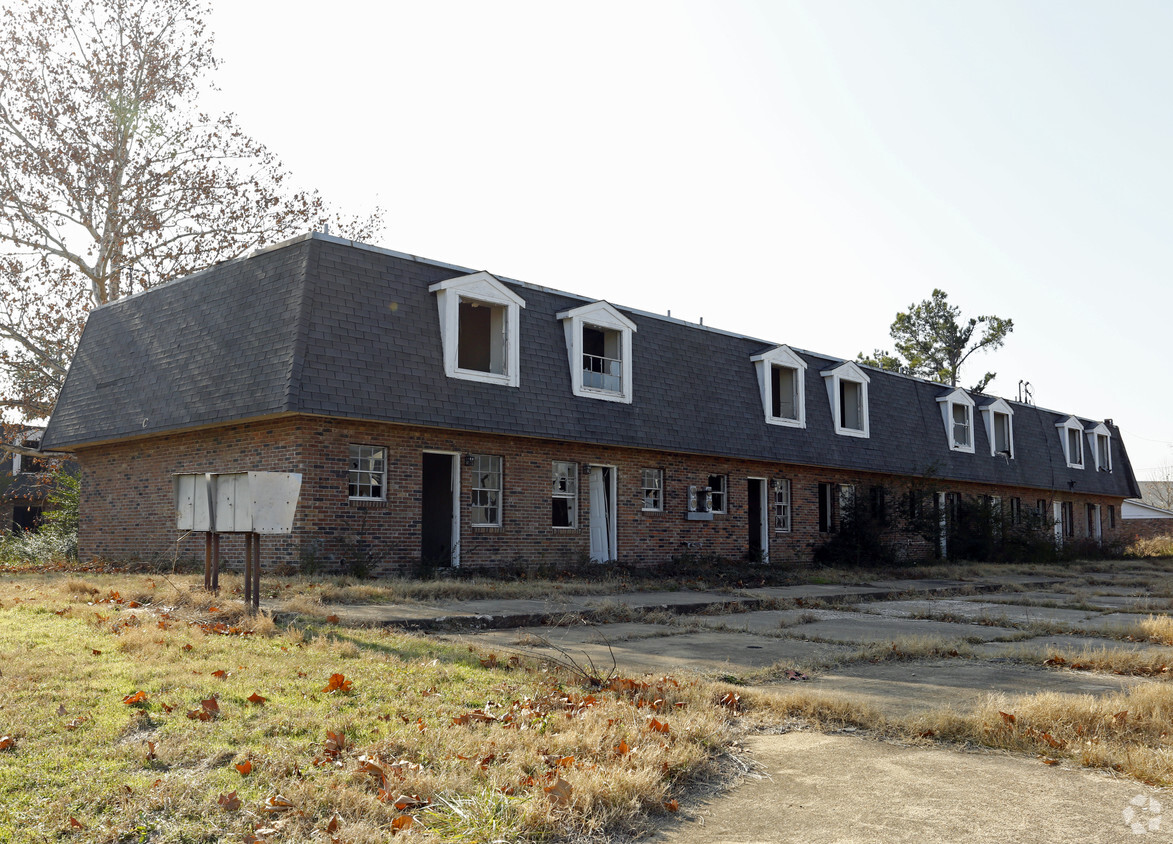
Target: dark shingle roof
[321,326]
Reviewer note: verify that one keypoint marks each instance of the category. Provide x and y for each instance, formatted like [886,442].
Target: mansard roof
[319,325]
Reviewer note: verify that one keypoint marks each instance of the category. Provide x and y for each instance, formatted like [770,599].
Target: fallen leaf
[75,823]
[256,698]
[151,745]
[405,801]
[401,823]
[560,792]
[96,652]
[220,674]
[622,749]
[338,683]
[335,742]
[333,825]
[7,742]
[277,803]
[211,706]
[245,767]
[658,726]
[137,697]
[1050,761]
[332,619]
[1007,717]
[672,805]
[229,802]
[187,647]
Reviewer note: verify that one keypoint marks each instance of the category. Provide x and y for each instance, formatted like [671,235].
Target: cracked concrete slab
[974,610]
[900,689]
[1066,643]
[859,628]
[819,789]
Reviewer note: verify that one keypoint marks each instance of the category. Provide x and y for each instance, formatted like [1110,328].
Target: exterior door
[759,532]
[602,525]
[439,519]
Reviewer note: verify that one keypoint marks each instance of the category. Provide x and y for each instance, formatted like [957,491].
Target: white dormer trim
[1074,461]
[1093,435]
[485,288]
[783,356]
[847,371]
[999,406]
[957,397]
[599,315]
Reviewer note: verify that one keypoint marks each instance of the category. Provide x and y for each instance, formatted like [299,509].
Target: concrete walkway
[491,613]
[820,788]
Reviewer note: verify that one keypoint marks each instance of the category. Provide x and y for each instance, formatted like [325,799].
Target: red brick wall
[1147,528]
[127,499]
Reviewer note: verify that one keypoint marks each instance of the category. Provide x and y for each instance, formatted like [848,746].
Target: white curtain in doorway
[601,550]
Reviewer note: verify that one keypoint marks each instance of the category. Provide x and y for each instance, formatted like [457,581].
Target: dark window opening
[784,392]
[1112,515]
[481,344]
[826,517]
[26,518]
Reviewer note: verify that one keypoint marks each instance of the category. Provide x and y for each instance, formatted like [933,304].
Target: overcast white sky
[795,171]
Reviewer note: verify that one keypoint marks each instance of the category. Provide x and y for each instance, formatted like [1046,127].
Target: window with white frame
[957,413]
[782,505]
[479,326]
[999,422]
[847,390]
[564,501]
[598,346]
[368,472]
[1100,444]
[1071,438]
[485,492]
[652,481]
[781,375]
[718,486]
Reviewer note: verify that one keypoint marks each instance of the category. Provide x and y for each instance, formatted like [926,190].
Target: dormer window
[999,421]
[1099,440]
[847,391]
[1071,437]
[598,347]
[781,375]
[957,413]
[479,324]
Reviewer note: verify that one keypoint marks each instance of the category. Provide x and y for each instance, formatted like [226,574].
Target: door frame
[613,515]
[764,513]
[454,538]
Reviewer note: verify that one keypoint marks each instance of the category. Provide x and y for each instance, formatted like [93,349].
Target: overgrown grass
[1156,546]
[477,739]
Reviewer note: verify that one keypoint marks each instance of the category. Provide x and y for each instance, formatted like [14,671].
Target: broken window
[846,503]
[961,425]
[780,372]
[1015,511]
[851,405]
[1002,433]
[1103,453]
[486,490]
[565,494]
[481,339]
[602,359]
[826,521]
[782,505]
[26,464]
[784,392]
[717,489]
[653,489]
[368,468]
[1067,511]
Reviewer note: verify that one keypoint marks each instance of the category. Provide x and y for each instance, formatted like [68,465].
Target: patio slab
[974,610]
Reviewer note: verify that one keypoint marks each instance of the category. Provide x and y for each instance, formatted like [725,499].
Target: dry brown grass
[1127,732]
[479,738]
[1157,546]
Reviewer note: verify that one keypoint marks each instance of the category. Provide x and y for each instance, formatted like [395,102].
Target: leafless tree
[112,179]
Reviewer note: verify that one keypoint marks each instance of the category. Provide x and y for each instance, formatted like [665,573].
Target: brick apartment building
[454,417]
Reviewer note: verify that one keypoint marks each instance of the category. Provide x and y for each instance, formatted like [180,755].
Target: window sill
[367,503]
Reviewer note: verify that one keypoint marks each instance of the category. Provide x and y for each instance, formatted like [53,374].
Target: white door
[602,491]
